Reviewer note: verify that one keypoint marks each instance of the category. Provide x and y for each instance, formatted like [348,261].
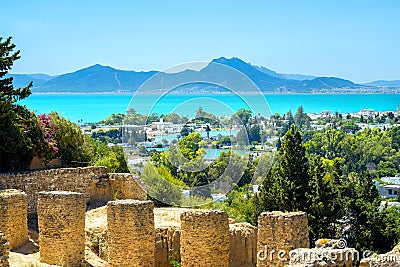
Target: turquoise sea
[95,107]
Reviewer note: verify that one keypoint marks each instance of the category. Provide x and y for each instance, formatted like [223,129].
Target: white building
[391,180]
[367,112]
[161,125]
[389,191]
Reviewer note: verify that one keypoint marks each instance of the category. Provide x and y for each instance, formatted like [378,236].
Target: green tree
[293,170]
[173,117]
[17,147]
[69,139]
[272,194]
[286,185]
[160,189]
[370,228]
[242,116]
[321,202]
[190,146]
[301,119]
[255,133]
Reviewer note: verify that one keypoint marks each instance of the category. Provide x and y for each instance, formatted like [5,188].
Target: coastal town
[220,134]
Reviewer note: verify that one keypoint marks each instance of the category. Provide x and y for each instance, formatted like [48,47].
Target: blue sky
[353,39]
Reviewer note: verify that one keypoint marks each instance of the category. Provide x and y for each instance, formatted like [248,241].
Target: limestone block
[61,217]
[13,216]
[242,245]
[204,238]
[4,250]
[127,186]
[278,234]
[131,233]
[167,246]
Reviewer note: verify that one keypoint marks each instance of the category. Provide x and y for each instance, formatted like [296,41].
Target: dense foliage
[24,134]
[334,188]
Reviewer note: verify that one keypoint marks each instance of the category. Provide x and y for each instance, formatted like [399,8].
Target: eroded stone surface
[204,238]
[130,233]
[278,234]
[61,217]
[242,245]
[13,216]
[4,250]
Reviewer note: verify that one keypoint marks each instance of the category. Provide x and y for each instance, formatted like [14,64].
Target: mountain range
[100,79]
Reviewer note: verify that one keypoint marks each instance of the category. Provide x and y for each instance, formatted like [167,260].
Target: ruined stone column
[14,216]
[131,233]
[61,216]
[243,245]
[278,234]
[4,250]
[204,238]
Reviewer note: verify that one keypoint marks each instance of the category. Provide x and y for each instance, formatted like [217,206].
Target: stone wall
[66,179]
[98,186]
[204,238]
[242,245]
[278,234]
[116,186]
[4,250]
[61,217]
[167,246]
[131,233]
[13,216]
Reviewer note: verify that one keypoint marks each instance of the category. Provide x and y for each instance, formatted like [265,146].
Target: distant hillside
[299,77]
[96,78]
[99,78]
[328,82]
[383,83]
[22,80]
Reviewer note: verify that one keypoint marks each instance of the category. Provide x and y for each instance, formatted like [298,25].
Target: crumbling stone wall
[242,245]
[278,234]
[13,216]
[204,238]
[167,246]
[4,250]
[98,186]
[65,179]
[61,217]
[116,186]
[131,233]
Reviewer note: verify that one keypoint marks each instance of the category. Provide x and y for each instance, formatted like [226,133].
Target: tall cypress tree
[284,187]
[293,170]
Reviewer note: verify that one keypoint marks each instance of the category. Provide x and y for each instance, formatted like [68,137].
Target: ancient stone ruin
[61,217]
[4,250]
[278,234]
[390,259]
[205,238]
[13,216]
[242,245]
[130,233]
[95,183]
